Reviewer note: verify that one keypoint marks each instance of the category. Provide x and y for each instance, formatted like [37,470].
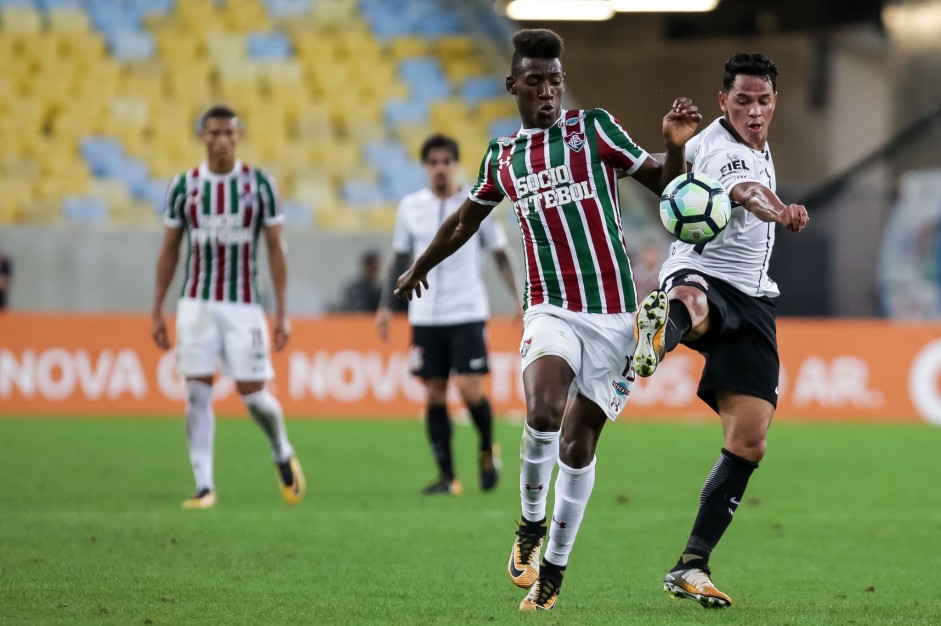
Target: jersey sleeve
[486,190]
[730,164]
[270,197]
[615,145]
[492,235]
[174,202]
[402,241]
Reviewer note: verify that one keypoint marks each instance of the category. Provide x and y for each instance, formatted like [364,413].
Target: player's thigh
[247,353]
[429,353]
[198,339]
[547,333]
[467,347]
[606,377]
[742,362]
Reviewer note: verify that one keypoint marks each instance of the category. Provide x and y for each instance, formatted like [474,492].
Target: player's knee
[544,415]
[695,301]
[748,446]
[576,452]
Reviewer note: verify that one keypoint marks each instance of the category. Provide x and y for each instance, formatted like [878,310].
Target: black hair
[437,141]
[534,43]
[218,111]
[750,64]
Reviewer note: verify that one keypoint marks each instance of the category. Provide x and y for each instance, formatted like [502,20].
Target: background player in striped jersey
[717,300]
[222,206]
[448,327]
[560,172]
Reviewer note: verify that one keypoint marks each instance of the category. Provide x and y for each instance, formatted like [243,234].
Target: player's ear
[722,101]
[511,85]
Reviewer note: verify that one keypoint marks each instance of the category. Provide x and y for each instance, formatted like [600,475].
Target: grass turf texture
[839,526]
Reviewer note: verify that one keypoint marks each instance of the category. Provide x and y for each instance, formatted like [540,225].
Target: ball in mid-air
[694,208]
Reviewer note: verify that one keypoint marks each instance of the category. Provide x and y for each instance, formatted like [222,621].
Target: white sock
[200,431]
[572,490]
[267,413]
[538,455]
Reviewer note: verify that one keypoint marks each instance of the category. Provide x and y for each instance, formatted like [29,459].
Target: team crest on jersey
[575,141]
[525,346]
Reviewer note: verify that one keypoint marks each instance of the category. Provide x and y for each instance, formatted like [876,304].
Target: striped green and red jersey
[223,215]
[562,182]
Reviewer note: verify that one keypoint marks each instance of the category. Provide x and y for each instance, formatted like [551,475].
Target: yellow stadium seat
[20,20]
[15,199]
[410,46]
[382,217]
[242,16]
[455,46]
[113,193]
[225,48]
[67,20]
[494,108]
[341,218]
[197,15]
[445,114]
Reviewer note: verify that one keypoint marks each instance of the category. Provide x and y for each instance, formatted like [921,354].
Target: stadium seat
[131,45]
[268,46]
[84,209]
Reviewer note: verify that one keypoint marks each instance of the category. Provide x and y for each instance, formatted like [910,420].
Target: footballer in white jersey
[449,323]
[717,299]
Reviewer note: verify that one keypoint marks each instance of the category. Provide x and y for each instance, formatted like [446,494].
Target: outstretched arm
[454,232]
[277,262]
[384,312]
[765,204]
[167,259]
[679,125]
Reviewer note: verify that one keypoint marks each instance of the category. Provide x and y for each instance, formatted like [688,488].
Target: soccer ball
[694,208]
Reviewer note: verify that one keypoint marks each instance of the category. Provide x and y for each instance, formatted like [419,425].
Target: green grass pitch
[841,525]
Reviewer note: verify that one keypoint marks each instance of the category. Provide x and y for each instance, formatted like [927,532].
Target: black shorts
[741,347]
[437,351]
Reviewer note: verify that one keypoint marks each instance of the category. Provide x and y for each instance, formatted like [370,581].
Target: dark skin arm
[166,266]
[453,233]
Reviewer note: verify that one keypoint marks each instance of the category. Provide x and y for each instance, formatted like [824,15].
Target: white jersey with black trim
[741,253]
[457,293]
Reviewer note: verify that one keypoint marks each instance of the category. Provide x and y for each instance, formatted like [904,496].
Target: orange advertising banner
[96,365]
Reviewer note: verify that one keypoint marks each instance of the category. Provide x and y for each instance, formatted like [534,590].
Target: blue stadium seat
[131,45]
[504,126]
[298,214]
[154,7]
[278,9]
[479,88]
[361,194]
[103,155]
[81,209]
[402,179]
[156,194]
[20,4]
[381,153]
[268,46]
[135,176]
[398,112]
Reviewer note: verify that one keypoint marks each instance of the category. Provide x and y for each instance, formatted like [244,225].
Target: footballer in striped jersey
[559,173]
[222,207]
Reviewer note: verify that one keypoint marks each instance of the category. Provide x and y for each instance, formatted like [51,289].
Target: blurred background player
[717,300]
[560,171]
[6,279]
[448,327]
[221,205]
[362,294]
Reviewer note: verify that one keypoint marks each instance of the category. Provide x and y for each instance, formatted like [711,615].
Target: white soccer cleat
[695,584]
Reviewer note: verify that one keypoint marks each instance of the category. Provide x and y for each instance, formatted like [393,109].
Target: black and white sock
[678,324]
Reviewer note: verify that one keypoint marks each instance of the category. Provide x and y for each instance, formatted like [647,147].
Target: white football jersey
[457,292]
[741,253]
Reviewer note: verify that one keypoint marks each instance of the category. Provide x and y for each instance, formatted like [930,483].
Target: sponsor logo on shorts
[696,278]
[416,358]
[620,387]
[615,405]
[525,346]
[479,363]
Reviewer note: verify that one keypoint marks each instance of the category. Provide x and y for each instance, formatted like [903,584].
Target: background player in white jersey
[222,206]
[717,299]
[448,327]
[560,173]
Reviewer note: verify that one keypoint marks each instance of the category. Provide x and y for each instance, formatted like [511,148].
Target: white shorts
[597,346]
[235,334]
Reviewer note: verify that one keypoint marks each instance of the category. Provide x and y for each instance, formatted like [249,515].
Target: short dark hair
[750,64]
[439,141]
[534,43]
[217,111]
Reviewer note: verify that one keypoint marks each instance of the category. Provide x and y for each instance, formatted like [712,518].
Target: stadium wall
[91,365]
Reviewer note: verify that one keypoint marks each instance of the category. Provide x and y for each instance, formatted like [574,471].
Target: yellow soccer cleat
[202,499]
[293,483]
[695,584]
[544,593]
[649,331]
[524,555]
